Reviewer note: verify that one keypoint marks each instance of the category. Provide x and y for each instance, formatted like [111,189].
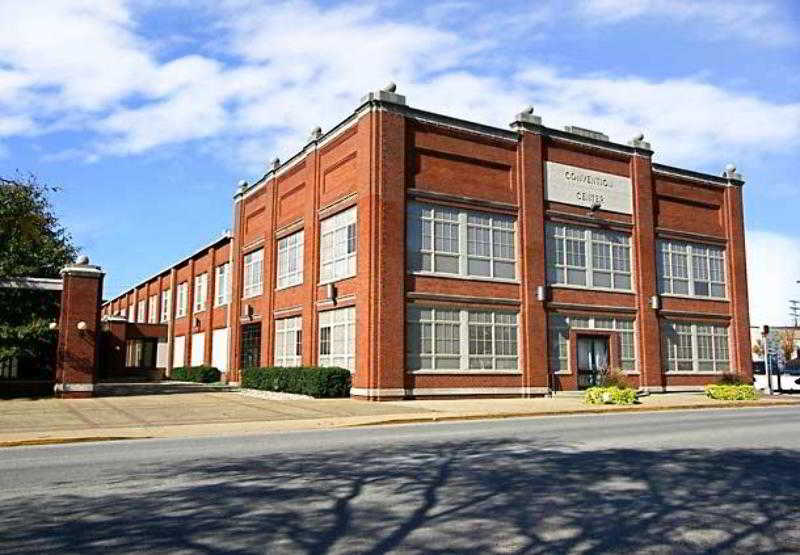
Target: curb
[525,414]
[58,440]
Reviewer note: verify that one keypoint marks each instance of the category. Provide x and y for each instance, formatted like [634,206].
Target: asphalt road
[670,482]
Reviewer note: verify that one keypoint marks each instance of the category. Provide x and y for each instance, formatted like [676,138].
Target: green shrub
[199,374]
[609,396]
[613,377]
[732,392]
[315,381]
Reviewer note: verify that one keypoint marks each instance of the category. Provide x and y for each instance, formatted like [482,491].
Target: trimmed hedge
[316,381]
[732,392]
[609,396]
[199,374]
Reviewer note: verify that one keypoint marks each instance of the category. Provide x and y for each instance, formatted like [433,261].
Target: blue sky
[147,113]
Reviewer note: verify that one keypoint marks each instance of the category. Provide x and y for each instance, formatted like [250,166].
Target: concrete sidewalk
[25,421]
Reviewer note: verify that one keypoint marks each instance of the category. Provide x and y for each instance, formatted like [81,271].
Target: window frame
[222,284]
[253,274]
[327,322]
[285,249]
[141,311]
[182,300]
[166,306]
[292,329]
[152,309]
[710,254]
[670,348]
[346,220]
[200,286]
[425,226]
[592,238]
[458,319]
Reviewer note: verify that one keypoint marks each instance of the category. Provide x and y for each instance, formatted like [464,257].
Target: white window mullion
[462,243]
[464,339]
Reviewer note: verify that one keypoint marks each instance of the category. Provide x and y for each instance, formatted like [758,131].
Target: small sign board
[582,187]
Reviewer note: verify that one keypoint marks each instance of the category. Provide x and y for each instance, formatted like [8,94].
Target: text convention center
[435,257]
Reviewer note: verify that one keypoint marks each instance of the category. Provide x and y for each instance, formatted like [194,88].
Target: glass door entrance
[592,359]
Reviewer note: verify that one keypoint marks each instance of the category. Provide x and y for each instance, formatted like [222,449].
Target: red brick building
[438,257]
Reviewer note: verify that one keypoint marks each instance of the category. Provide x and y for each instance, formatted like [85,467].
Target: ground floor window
[695,347]
[140,353]
[560,324]
[337,338]
[289,341]
[251,345]
[460,339]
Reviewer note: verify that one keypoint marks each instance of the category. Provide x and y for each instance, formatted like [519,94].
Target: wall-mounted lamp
[197,322]
[330,291]
[81,326]
[541,293]
[248,310]
[655,302]
[53,325]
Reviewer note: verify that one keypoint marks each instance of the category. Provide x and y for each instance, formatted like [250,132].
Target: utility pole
[794,310]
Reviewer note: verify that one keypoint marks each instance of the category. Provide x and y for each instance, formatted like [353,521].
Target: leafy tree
[32,244]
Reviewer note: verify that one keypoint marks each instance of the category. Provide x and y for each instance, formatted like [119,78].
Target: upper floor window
[131,313]
[222,286]
[691,269]
[695,347]
[338,246]
[290,260]
[166,296]
[152,310]
[588,257]
[289,341]
[200,292]
[182,300]
[467,243]
[140,315]
[253,273]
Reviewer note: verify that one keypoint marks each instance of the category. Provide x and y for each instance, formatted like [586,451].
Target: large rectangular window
[131,313]
[695,347]
[140,314]
[152,310]
[459,339]
[200,292]
[588,257]
[691,269]
[222,286]
[253,274]
[461,242]
[337,338]
[559,326]
[338,246]
[289,341]
[290,260]
[165,305]
[182,300]
[140,353]
[251,345]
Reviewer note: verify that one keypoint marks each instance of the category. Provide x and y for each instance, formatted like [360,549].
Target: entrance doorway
[592,359]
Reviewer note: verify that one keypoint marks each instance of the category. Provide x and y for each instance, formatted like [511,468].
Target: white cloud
[290,66]
[755,20]
[772,271]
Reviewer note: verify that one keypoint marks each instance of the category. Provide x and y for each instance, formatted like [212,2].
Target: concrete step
[109,389]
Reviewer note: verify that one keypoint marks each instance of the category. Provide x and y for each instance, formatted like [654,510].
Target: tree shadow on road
[506,496]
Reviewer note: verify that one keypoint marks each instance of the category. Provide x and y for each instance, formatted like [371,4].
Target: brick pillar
[741,359]
[533,313]
[644,245]
[79,330]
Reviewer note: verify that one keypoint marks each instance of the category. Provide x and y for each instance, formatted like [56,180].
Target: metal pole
[766,362]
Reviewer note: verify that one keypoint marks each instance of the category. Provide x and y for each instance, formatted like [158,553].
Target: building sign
[572,185]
